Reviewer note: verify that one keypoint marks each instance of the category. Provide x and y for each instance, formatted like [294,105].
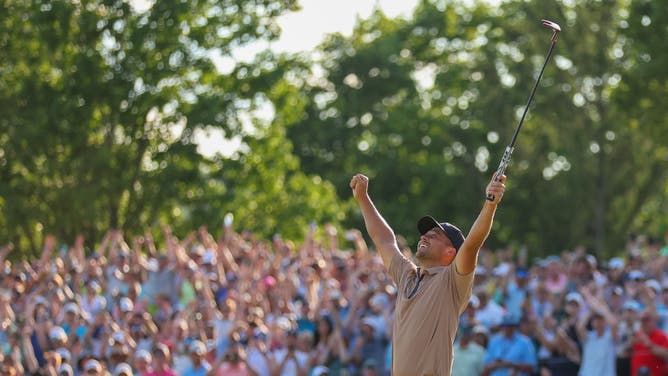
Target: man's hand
[359,184]
[496,188]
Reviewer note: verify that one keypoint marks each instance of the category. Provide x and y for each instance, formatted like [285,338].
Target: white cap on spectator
[574,297]
[481,329]
[152,265]
[93,284]
[376,322]
[618,290]
[123,369]
[474,301]
[41,300]
[65,354]
[636,275]
[654,285]
[144,355]
[125,304]
[380,299]
[197,347]
[501,270]
[369,321]
[118,337]
[209,257]
[65,369]
[320,370]
[92,365]
[631,305]
[283,323]
[616,263]
[71,307]
[197,250]
[57,333]
[334,294]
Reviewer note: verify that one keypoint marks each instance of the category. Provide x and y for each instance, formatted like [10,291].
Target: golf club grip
[503,165]
[490,197]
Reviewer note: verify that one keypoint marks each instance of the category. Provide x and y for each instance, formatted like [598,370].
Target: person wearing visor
[432,294]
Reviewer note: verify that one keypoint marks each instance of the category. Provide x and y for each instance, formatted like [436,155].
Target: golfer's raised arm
[378,229]
[467,257]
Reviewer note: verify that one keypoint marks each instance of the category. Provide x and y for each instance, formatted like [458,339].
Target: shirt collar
[433,269]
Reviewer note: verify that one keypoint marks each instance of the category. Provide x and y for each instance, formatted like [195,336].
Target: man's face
[647,322]
[196,358]
[434,246]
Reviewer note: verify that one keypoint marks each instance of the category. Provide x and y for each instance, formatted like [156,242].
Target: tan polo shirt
[425,325]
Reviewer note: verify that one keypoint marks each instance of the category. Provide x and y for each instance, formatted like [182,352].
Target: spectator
[489,313]
[288,360]
[469,358]
[598,349]
[123,369]
[557,280]
[541,305]
[199,366]
[161,361]
[142,362]
[509,352]
[368,345]
[68,322]
[330,348]
[370,368]
[481,336]
[628,326]
[93,367]
[232,364]
[514,291]
[649,349]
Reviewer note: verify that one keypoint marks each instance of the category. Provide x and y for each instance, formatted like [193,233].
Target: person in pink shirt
[161,356]
[556,279]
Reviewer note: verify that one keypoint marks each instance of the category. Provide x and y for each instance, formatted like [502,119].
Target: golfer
[431,295]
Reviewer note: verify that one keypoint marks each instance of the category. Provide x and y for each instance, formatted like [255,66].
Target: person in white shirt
[469,357]
[288,360]
[489,313]
[598,344]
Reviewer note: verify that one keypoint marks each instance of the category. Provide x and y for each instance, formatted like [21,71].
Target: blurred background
[130,114]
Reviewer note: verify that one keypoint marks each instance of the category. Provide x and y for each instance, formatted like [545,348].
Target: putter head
[556,29]
[552,25]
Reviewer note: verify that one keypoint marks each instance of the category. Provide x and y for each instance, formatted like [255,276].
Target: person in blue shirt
[199,366]
[510,352]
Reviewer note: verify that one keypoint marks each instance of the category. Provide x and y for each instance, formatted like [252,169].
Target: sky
[302,31]
[305,29]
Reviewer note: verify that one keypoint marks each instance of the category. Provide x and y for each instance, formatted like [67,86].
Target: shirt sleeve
[530,354]
[461,288]
[491,351]
[399,266]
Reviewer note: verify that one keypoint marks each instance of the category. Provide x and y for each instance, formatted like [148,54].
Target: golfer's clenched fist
[359,184]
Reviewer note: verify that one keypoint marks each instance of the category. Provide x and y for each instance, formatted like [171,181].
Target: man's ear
[451,251]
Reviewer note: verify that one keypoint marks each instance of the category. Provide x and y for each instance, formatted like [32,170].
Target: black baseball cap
[453,233]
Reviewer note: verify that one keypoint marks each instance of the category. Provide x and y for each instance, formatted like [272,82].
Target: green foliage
[103,104]
[425,107]
[101,107]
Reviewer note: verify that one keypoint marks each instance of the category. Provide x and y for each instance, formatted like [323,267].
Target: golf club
[509,149]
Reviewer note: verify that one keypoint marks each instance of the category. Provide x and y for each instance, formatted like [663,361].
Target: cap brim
[427,223]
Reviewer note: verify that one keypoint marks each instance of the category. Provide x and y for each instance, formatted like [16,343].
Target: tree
[426,106]
[102,103]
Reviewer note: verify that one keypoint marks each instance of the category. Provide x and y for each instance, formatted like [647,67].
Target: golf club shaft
[505,160]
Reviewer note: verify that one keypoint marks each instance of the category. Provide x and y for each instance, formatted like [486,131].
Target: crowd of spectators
[241,305]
